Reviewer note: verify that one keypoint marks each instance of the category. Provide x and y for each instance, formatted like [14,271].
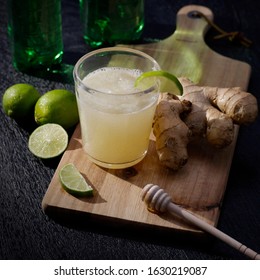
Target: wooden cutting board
[199,186]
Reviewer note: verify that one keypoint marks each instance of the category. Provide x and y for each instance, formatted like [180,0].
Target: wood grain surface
[200,185]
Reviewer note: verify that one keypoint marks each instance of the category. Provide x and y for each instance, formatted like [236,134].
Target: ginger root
[213,113]
[170,131]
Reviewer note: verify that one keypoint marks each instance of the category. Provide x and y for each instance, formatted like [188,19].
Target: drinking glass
[115,116]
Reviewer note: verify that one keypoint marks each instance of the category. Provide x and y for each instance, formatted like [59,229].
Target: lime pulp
[48,141]
[174,87]
[73,182]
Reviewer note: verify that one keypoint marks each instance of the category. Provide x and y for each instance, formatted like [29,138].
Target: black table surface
[26,232]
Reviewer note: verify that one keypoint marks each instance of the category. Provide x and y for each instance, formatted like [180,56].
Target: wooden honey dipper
[158,200]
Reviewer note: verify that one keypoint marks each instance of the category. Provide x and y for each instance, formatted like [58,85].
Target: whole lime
[19,100]
[57,106]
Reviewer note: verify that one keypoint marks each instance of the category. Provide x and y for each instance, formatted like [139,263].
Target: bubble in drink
[115,80]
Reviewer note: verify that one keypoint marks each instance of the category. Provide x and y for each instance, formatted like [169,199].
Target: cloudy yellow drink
[116,119]
[115,116]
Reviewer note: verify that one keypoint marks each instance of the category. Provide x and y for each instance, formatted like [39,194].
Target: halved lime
[169,82]
[48,141]
[73,182]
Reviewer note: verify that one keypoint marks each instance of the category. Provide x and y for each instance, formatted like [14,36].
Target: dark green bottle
[35,32]
[107,22]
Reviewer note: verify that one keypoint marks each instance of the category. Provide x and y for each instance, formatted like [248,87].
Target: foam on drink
[115,80]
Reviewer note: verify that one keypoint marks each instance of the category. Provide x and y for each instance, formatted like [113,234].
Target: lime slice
[73,182]
[48,141]
[169,82]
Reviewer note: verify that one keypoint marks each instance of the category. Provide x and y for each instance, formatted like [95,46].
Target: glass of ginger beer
[115,115]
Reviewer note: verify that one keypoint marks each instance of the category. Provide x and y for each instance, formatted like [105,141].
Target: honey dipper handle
[173,208]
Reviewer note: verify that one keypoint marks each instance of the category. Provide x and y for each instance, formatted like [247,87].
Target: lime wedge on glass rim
[168,82]
[48,141]
[73,182]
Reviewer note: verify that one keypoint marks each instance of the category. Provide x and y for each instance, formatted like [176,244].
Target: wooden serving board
[200,185]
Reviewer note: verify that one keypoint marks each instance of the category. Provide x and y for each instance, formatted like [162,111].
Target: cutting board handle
[189,25]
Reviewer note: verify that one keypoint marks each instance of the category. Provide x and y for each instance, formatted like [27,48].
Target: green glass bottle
[111,21]
[35,32]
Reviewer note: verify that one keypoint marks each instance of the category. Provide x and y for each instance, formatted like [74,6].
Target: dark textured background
[27,233]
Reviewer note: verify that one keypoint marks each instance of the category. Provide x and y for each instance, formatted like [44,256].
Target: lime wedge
[73,182]
[48,141]
[169,82]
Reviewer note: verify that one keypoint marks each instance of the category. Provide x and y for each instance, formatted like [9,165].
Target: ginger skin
[216,110]
[172,135]
[209,112]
